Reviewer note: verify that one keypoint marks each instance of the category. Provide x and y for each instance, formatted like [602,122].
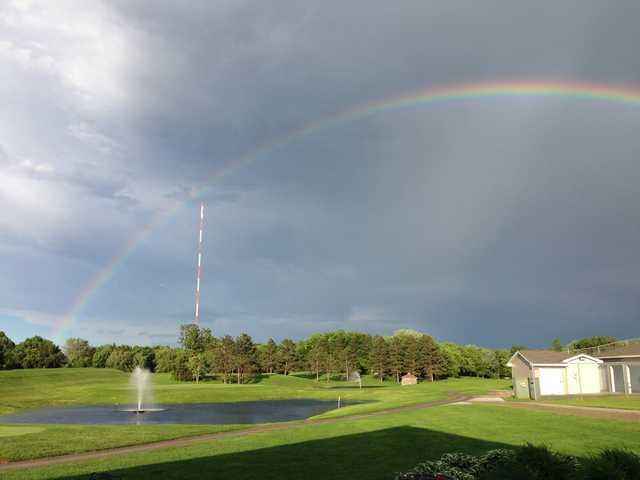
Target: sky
[494,221]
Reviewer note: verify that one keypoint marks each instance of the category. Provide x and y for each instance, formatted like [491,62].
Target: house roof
[544,356]
[551,357]
[409,375]
[631,350]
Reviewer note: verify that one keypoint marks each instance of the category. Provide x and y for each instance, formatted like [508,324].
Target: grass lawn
[370,448]
[19,442]
[627,402]
[26,389]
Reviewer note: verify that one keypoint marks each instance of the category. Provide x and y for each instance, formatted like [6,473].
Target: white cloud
[88,134]
[34,317]
[38,168]
[76,42]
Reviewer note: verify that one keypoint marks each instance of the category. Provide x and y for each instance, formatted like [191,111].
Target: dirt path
[599,412]
[181,442]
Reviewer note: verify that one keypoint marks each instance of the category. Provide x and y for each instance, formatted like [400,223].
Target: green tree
[195,338]
[244,357]
[330,361]
[396,356]
[6,347]
[379,357]
[165,359]
[197,366]
[317,358]
[144,357]
[347,358]
[268,354]
[480,360]
[101,355]
[38,352]
[287,355]
[556,345]
[517,348]
[78,352]
[591,342]
[358,347]
[411,359]
[501,357]
[121,358]
[472,361]
[181,370]
[453,356]
[407,332]
[224,357]
[433,362]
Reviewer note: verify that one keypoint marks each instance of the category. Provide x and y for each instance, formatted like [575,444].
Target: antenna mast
[199,267]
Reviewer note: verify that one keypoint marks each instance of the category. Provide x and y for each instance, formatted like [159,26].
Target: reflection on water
[195,413]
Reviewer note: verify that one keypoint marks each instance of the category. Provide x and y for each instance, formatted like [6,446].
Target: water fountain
[141,380]
[355,377]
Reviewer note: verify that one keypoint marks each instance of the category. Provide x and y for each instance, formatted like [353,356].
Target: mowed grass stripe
[372,448]
[25,389]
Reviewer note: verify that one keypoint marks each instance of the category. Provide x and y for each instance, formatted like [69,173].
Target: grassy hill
[27,389]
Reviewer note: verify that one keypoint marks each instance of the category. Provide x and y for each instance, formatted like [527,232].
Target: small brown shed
[409,379]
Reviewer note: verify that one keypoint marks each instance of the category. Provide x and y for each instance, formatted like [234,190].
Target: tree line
[238,359]
[336,354]
[582,343]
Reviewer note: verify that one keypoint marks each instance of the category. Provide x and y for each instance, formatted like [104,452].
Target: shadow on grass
[372,455]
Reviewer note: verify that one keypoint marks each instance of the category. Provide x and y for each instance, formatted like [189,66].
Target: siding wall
[520,372]
[626,374]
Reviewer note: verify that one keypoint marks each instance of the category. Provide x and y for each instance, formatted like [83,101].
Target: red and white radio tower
[199,268]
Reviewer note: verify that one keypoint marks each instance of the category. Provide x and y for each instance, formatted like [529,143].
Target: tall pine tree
[269,356]
[244,356]
[379,357]
[287,355]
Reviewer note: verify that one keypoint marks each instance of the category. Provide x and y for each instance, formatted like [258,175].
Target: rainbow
[570,90]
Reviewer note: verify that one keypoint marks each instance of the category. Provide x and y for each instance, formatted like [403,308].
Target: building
[622,365]
[409,379]
[539,373]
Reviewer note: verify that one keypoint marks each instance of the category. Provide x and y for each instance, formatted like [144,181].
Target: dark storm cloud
[489,221]
[221,77]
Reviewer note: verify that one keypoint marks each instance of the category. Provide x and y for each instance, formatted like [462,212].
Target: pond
[267,411]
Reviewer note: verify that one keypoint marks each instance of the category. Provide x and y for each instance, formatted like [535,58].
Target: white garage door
[552,381]
[590,378]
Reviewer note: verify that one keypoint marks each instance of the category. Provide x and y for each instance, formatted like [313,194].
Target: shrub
[527,463]
[540,463]
[498,464]
[613,464]
[453,466]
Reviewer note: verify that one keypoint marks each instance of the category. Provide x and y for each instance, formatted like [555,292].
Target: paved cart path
[600,412]
[180,442]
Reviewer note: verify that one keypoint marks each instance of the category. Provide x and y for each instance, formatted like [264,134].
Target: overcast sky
[494,221]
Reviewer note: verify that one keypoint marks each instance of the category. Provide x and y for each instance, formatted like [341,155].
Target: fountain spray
[141,379]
